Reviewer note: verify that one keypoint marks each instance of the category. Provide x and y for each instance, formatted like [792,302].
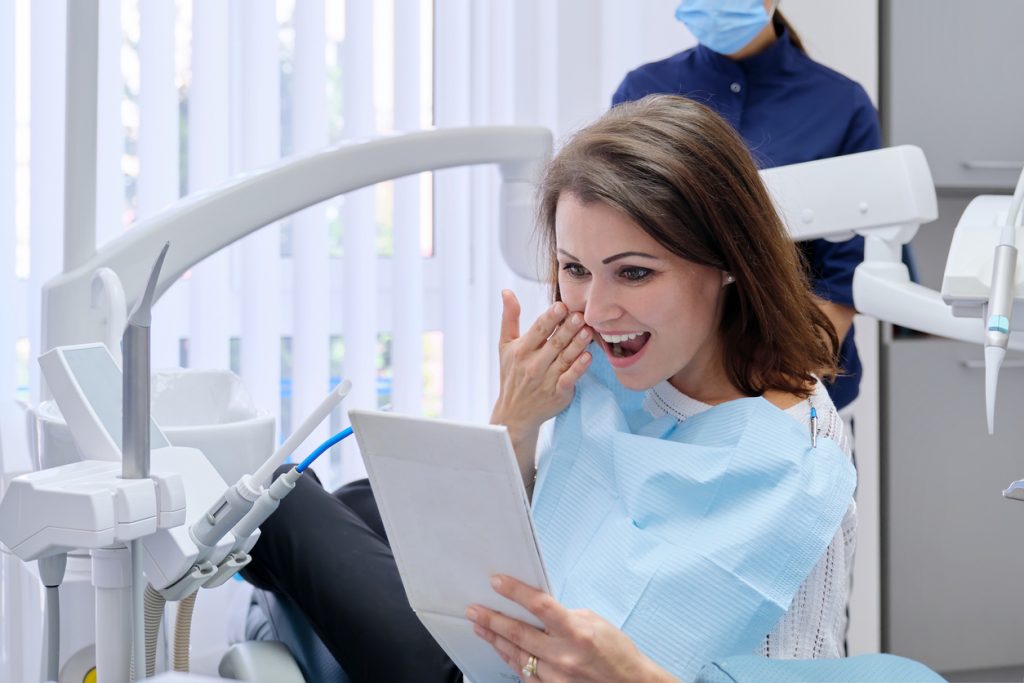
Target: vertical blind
[395,287]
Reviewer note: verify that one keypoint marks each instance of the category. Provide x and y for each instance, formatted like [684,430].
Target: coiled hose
[154,610]
[182,632]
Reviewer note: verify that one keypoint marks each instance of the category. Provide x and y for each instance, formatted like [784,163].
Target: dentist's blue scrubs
[788,109]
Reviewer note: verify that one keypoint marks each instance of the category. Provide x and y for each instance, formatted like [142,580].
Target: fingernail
[496,581]
[479,630]
[557,308]
[575,318]
[584,334]
[471,614]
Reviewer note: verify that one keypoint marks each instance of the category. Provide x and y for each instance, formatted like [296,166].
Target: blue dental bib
[691,537]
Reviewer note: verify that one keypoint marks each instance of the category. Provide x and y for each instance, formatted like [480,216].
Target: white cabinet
[953,84]
[953,548]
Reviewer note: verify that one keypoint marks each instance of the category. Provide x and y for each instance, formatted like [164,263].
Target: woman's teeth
[623,345]
[619,338]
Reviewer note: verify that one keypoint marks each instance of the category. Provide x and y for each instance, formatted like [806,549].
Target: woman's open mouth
[625,345]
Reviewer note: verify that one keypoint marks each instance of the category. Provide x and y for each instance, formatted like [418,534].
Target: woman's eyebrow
[627,254]
[610,259]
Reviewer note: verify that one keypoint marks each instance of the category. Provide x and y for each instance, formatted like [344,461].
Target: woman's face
[654,314]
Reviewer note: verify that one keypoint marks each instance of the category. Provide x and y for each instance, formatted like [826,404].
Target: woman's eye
[574,269]
[635,273]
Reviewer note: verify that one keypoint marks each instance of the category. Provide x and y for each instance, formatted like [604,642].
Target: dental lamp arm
[205,223]
[108,297]
[883,195]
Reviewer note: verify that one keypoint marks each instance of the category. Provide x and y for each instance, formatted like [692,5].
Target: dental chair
[875,668]
[284,649]
[280,646]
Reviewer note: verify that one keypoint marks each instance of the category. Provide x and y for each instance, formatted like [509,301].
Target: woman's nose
[601,306]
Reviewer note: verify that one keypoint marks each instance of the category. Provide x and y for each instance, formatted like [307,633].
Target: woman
[669,255]
[686,496]
[751,68]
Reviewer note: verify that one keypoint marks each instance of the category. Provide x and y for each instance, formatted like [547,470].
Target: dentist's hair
[683,175]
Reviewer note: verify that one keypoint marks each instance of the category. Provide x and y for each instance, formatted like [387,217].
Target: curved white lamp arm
[884,291]
[203,224]
[108,297]
[883,195]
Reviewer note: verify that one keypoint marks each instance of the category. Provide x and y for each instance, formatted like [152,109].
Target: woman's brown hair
[680,172]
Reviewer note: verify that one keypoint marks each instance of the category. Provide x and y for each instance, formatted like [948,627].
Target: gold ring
[531,667]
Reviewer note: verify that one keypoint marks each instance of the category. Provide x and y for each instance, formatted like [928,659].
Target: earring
[729,279]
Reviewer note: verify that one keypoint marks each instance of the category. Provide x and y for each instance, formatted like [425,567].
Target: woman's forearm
[524,442]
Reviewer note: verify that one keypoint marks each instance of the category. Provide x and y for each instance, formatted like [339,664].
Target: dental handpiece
[1000,315]
[238,500]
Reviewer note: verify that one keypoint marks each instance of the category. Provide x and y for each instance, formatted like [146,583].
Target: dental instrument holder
[135,346]
[135,380]
[135,403]
[264,506]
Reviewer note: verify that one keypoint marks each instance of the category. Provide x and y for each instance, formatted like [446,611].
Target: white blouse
[815,624]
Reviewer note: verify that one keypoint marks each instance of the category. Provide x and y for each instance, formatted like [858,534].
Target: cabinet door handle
[1015,364]
[992,165]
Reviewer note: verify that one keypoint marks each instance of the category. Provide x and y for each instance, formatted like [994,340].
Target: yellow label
[91,676]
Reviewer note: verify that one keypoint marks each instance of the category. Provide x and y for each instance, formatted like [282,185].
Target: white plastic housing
[834,198]
[85,505]
[967,280]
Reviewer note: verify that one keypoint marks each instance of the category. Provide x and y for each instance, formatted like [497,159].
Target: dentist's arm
[840,316]
[538,373]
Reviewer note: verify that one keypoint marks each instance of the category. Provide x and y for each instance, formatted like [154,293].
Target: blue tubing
[322,448]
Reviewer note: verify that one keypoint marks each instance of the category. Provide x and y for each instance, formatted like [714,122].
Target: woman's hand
[575,645]
[539,369]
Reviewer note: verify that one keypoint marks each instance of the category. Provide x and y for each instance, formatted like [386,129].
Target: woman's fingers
[556,333]
[545,326]
[576,345]
[567,380]
[495,627]
[509,317]
[551,613]
[513,655]
[556,352]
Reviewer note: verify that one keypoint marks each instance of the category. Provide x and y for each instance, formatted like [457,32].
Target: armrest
[260,661]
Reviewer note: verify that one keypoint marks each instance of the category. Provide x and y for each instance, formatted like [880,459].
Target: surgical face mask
[725,26]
